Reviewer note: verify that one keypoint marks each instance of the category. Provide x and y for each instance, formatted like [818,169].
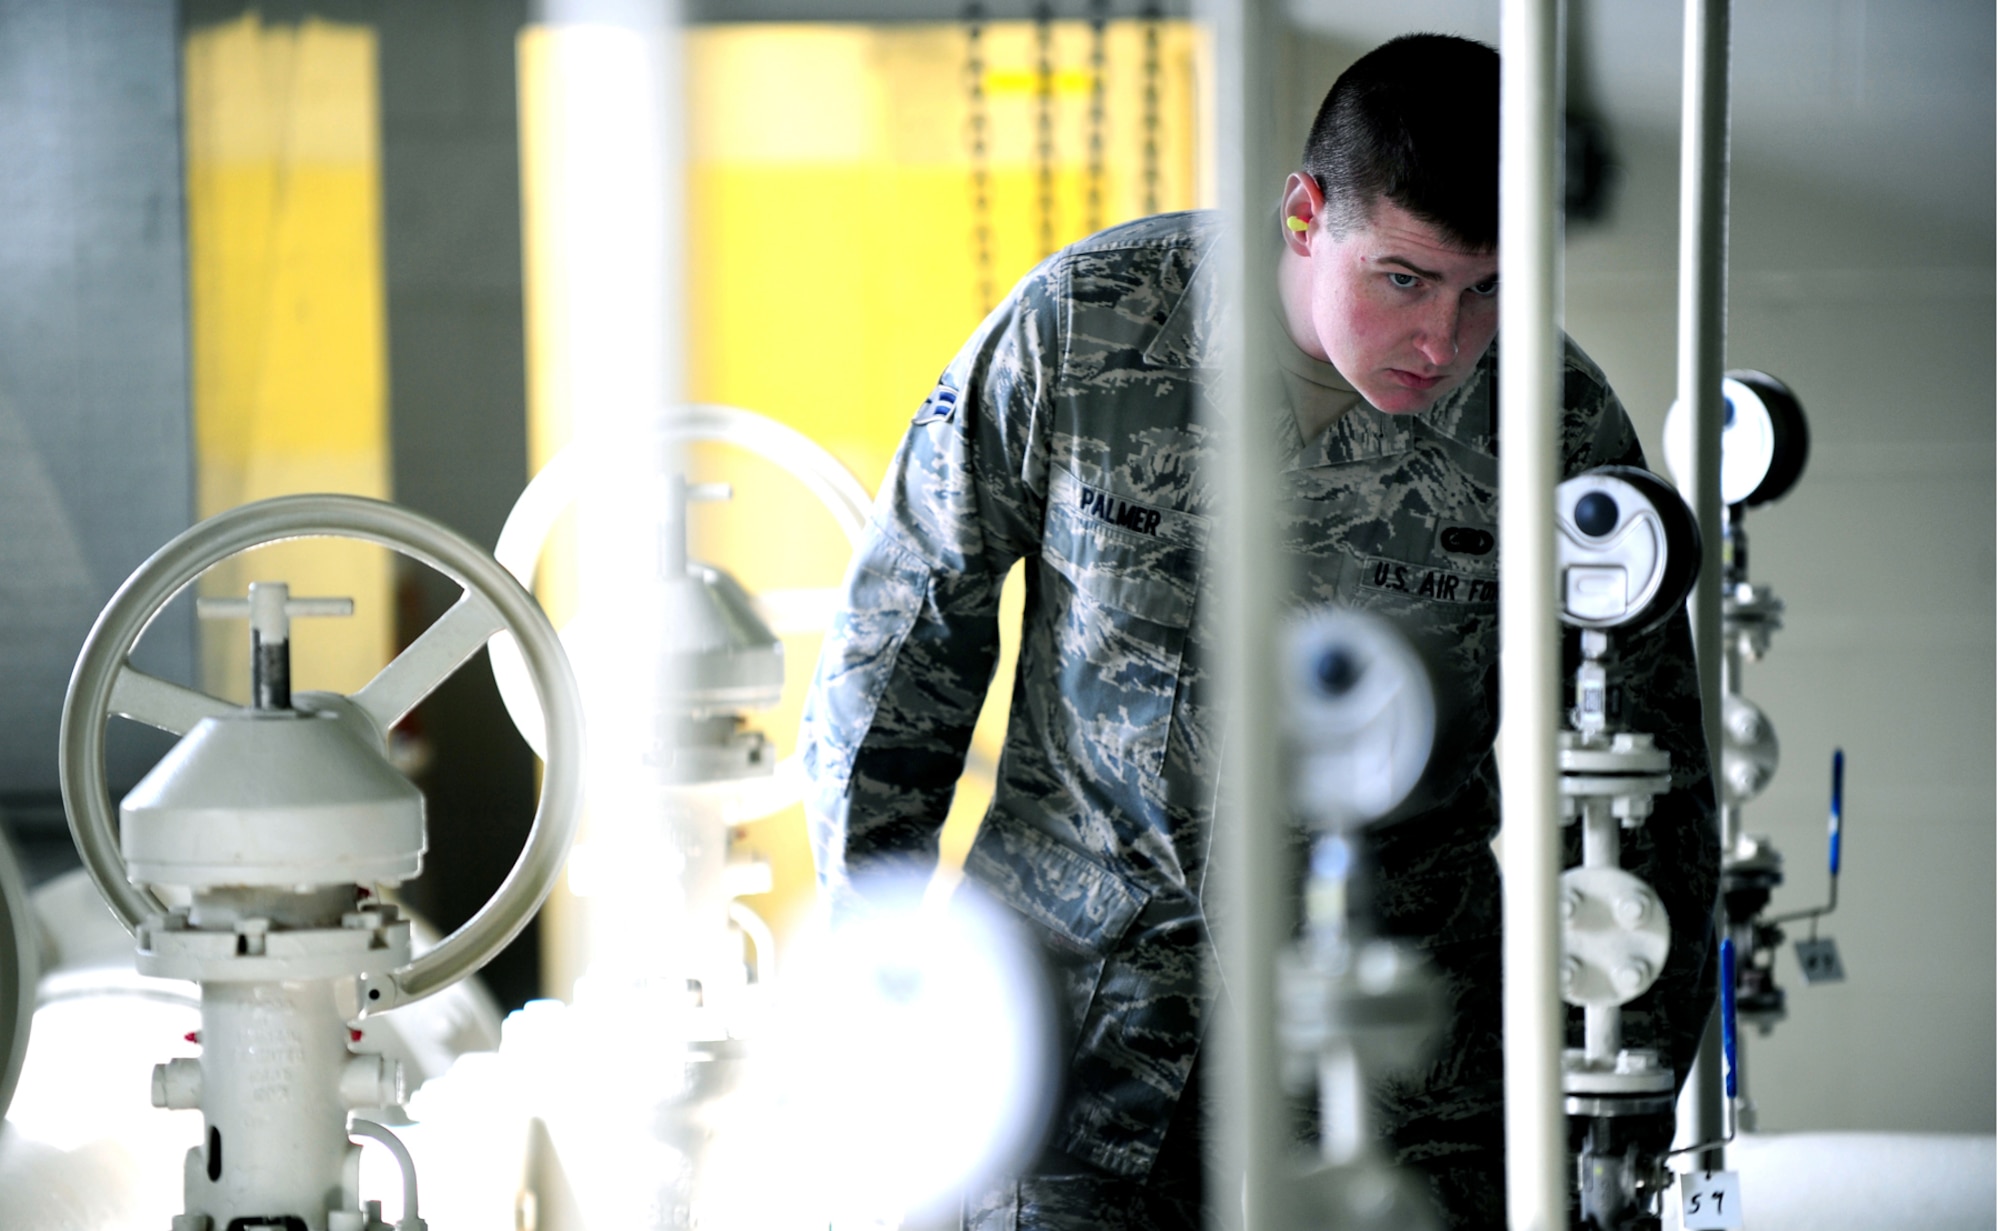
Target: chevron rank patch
[939,406]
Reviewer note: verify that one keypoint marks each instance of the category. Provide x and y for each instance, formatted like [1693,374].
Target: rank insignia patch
[939,406]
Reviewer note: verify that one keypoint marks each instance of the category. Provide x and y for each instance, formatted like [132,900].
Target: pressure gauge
[1627,549]
[1361,713]
[1764,438]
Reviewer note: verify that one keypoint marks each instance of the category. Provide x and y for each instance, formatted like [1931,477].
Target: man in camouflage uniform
[1070,432]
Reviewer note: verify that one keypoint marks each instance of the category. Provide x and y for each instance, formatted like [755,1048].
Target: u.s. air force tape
[1423,581]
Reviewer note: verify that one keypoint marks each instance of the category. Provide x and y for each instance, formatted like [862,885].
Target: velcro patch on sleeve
[939,406]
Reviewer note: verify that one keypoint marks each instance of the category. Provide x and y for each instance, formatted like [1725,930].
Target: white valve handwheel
[105,683]
[20,968]
[557,485]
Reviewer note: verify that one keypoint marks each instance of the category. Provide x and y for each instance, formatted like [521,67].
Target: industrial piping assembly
[1353,1006]
[1627,552]
[277,825]
[1765,445]
[672,666]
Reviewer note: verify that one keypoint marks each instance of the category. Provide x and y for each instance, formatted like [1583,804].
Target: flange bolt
[1632,976]
[1631,911]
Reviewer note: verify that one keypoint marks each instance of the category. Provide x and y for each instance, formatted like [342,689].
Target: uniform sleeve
[905,667]
[1677,851]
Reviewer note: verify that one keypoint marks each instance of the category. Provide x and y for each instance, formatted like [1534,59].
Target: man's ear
[1301,212]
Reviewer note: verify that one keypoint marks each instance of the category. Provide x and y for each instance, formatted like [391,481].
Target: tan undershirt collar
[1318,393]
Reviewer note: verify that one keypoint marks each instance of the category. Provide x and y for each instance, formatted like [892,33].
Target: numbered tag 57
[1711,1201]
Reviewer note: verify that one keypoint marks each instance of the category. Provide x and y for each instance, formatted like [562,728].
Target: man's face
[1401,310]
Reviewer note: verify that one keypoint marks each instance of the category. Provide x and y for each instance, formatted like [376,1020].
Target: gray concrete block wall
[95,452]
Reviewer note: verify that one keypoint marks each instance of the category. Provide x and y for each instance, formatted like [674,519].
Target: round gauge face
[1610,550]
[1627,549]
[1749,441]
[1361,713]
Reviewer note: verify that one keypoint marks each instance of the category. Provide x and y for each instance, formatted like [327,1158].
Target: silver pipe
[1730,685]
[1251,1150]
[1603,1034]
[1703,285]
[1530,307]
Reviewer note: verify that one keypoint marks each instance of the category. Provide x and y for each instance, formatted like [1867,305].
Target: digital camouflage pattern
[1073,430]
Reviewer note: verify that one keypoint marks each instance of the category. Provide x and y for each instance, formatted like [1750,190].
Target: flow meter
[1764,438]
[1627,550]
[1765,445]
[274,827]
[1362,718]
[1627,554]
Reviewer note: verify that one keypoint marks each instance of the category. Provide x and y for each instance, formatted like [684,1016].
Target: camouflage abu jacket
[1069,431]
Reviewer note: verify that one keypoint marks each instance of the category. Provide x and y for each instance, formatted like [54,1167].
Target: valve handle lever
[270,608]
[1729,1017]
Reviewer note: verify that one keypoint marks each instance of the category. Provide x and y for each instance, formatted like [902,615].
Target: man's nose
[1437,333]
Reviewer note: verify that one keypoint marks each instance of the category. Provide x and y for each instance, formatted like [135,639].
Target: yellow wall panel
[286,299]
[832,273]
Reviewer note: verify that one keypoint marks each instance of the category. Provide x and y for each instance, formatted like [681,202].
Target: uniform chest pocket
[1451,612]
[1123,576]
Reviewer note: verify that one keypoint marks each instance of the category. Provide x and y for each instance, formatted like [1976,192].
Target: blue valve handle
[1729,1017]
[1833,817]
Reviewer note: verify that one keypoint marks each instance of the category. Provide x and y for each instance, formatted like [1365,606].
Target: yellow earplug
[1297,224]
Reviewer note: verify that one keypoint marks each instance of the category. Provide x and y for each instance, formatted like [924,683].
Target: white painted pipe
[1253,1148]
[1530,351]
[1702,320]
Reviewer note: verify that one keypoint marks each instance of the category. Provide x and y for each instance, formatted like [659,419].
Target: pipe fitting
[371,1080]
[177,1084]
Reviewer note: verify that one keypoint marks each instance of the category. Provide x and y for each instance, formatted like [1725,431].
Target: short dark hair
[1416,121]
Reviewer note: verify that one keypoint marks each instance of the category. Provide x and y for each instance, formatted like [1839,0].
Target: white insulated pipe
[1531,848]
[1252,1152]
[1702,326]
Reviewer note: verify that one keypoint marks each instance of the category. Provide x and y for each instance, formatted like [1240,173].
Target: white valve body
[1616,934]
[274,1104]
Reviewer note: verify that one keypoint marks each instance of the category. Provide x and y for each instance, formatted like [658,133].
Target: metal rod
[1530,308]
[1600,834]
[1729,684]
[1703,274]
[1603,1034]
[1253,1146]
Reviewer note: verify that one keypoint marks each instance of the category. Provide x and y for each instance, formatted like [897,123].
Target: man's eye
[1487,288]
[1403,281]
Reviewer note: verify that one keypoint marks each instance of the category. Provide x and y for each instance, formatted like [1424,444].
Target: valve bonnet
[279,799]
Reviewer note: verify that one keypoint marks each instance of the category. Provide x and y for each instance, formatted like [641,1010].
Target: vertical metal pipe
[601,88]
[1530,307]
[1252,1147]
[1703,273]
[1729,684]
